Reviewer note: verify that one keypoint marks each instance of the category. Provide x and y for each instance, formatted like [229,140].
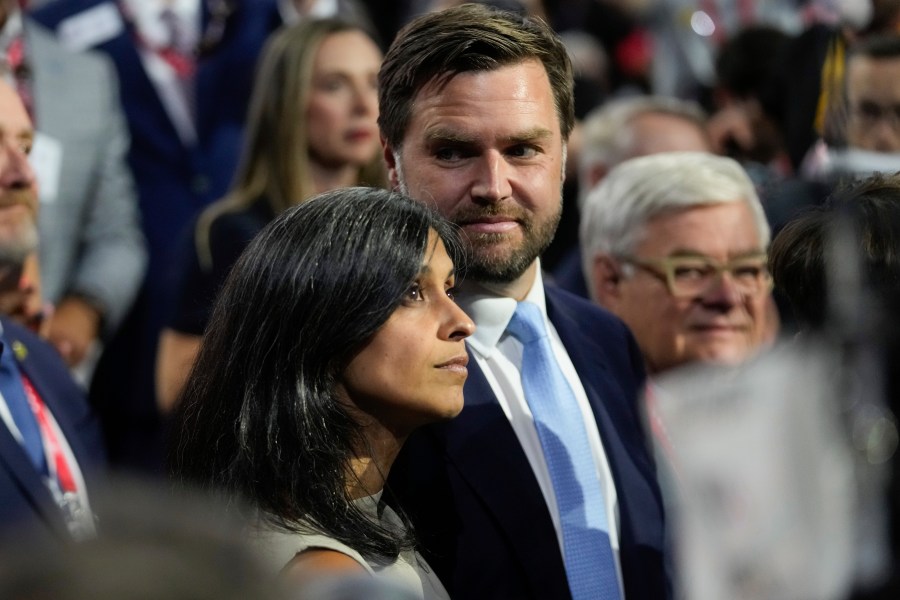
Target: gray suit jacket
[91,241]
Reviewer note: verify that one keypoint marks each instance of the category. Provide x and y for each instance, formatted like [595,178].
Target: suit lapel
[66,418]
[216,68]
[205,75]
[16,462]
[140,97]
[621,434]
[483,447]
[608,400]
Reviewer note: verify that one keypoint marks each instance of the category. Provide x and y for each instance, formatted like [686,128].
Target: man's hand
[74,326]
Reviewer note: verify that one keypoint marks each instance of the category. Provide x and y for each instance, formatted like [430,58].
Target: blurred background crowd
[169,132]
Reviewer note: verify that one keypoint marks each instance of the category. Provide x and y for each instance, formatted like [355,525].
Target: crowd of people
[430,299]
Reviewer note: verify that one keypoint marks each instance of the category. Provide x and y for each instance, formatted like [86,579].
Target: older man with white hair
[675,245]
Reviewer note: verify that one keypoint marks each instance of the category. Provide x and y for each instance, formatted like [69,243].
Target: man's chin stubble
[17,241]
[488,264]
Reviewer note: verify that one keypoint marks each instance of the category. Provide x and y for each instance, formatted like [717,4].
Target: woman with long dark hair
[311,128]
[334,337]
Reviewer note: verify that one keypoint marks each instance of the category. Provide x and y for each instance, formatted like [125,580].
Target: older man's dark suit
[476,505]
[24,499]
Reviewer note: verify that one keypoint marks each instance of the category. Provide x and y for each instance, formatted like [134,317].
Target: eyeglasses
[691,276]
[869,114]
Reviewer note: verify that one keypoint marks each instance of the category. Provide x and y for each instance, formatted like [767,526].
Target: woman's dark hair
[258,419]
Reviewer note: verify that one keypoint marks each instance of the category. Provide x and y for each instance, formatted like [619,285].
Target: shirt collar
[146,16]
[320,9]
[491,313]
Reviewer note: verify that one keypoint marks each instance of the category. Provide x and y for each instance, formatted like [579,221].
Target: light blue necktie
[14,394]
[587,553]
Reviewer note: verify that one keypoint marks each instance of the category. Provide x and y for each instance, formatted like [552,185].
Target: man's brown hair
[467,38]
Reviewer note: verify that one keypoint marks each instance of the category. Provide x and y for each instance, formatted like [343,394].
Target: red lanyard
[15,54]
[58,457]
[184,65]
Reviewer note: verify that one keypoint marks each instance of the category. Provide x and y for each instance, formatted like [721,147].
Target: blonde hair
[275,164]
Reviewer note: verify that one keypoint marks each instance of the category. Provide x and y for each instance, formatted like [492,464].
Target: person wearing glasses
[675,245]
[868,122]
[873,95]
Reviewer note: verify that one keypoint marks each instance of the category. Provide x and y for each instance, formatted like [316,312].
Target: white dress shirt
[146,16]
[499,355]
[320,9]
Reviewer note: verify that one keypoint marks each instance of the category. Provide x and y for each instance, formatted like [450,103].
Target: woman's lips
[359,135]
[456,364]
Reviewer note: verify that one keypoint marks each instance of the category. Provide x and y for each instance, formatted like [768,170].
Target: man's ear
[390,159]
[607,279]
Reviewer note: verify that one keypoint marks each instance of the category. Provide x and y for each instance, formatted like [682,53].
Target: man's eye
[748,271]
[451,293]
[448,154]
[522,151]
[688,272]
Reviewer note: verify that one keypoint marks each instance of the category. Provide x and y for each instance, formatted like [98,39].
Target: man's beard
[17,242]
[18,233]
[485,264]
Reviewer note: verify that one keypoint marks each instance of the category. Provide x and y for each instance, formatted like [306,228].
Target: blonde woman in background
[312,127]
